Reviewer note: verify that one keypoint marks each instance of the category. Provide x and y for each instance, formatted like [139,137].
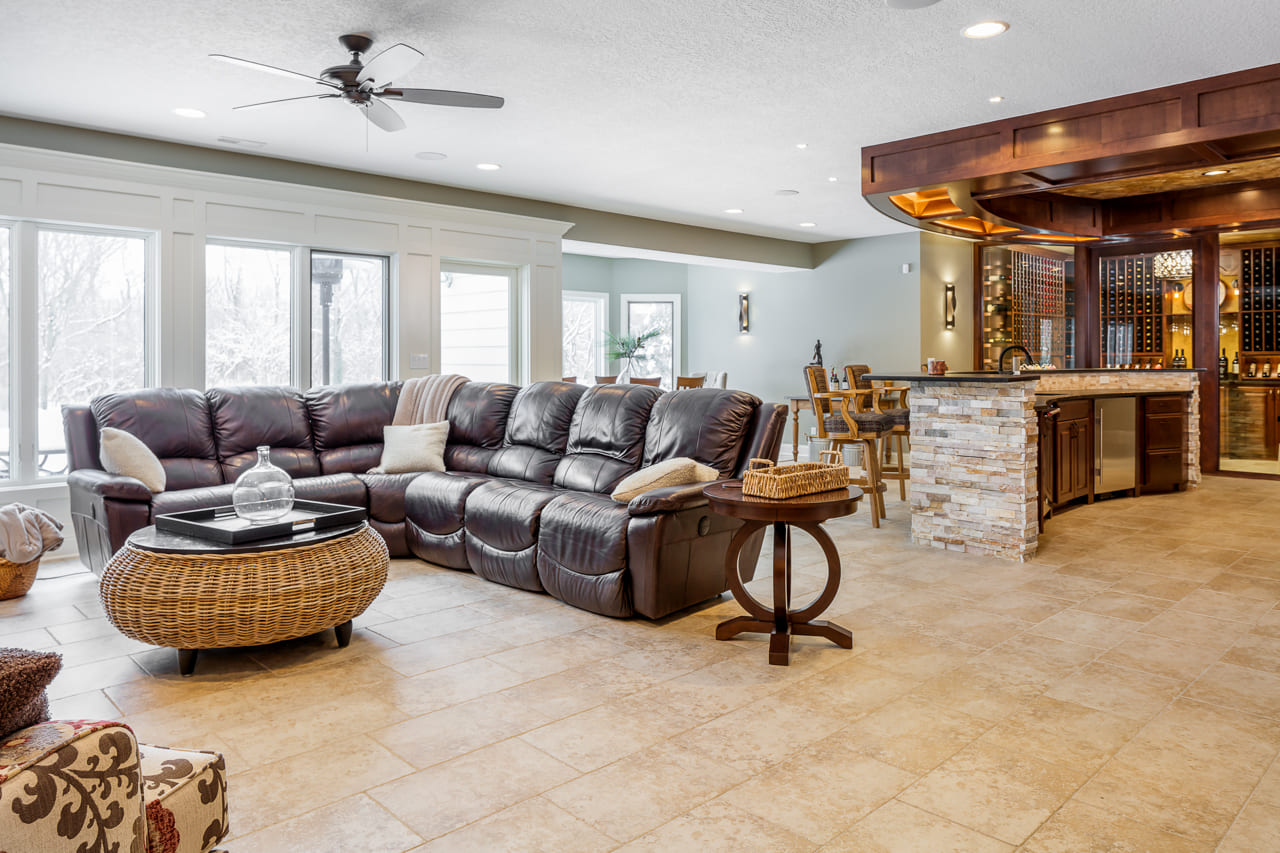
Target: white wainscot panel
[10,194]
[475,246]
[418,239]
[352,234]
[254,223]
[547,252]
[184,215]
[100,207]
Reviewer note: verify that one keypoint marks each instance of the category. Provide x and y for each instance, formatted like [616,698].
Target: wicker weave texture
[16,578]
[210,601]
[764,479]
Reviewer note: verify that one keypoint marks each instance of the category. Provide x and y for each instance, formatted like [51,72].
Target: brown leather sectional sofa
[524,501]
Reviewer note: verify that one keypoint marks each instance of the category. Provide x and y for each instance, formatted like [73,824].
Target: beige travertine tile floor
[1121,692]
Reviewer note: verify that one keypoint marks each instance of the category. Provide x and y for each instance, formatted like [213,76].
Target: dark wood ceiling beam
[1210,152]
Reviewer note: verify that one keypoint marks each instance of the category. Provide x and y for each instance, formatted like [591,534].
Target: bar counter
[975,448]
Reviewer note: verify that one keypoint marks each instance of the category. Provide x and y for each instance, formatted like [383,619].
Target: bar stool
[889,400]
[840,423]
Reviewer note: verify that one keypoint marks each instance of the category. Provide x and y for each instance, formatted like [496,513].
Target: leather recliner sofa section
[524,500]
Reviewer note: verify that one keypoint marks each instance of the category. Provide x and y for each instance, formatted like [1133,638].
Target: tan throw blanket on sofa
[425,399]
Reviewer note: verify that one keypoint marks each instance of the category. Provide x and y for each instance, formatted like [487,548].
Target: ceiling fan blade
[282,100]
[271,69]
[444,98]
[390,64]
[382,115]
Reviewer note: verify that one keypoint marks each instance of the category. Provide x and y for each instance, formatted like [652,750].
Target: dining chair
[606,380]
[568,379]
[646,380]
[840,422]
[690,381]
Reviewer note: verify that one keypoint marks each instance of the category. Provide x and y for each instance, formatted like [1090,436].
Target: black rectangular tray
[221,524]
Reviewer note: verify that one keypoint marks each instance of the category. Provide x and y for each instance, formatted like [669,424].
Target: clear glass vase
[264,493]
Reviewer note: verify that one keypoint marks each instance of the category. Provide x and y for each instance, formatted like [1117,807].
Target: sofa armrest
[106,485]
[52,771]
[667,499]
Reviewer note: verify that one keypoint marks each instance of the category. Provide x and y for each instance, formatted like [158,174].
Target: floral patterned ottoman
[89,785]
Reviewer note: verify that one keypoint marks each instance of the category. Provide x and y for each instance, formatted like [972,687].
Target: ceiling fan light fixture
[488,167]
[985,29]
[188,112]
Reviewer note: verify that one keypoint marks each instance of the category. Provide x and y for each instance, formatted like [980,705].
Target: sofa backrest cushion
[706,424]
[347,422]
[477,417]
[606,438]
[537,431]
[174,423]
[249,416]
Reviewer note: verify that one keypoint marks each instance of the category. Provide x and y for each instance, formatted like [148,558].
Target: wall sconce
[744,313]
[949,305]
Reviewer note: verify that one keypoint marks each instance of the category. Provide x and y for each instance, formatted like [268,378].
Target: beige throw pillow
[413,447]
[681,471]
[124,453]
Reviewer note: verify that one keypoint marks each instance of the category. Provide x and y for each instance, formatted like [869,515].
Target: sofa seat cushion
[344,489]
[185,793]
[174,423]
[386,495]
[582,552]
[189,499]
[706,424]
[502,531]
[248,417]
[434,509]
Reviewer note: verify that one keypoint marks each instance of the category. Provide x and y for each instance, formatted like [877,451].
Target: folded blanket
[425,399]
[26,533]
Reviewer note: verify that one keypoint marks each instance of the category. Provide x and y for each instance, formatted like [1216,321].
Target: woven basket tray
[764,479]
[16,578]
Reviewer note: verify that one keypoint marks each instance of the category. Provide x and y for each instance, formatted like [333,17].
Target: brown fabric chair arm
[106,485]
[667,499]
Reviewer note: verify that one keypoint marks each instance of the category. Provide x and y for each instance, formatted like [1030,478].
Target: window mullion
[25,360]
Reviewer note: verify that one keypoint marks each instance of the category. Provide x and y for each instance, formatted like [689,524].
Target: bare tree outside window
[656,358]
[582,322]
[91,317]
[247,318]
[348,295]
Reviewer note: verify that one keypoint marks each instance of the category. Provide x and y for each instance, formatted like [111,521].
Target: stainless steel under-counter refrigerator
[1115,444]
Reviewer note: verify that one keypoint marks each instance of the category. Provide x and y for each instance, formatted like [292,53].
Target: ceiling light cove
[1215,172]
[188,112]
[431,155]
[733,210]
[488,167]
[985,29]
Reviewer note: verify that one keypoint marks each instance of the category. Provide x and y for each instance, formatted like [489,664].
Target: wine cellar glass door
[1144,308]
[1249,353]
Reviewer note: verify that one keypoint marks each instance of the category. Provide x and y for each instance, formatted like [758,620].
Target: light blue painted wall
[616,276]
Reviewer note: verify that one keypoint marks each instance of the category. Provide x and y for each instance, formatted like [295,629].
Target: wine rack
[1039,305]
[1132,309]
[1259,302]
[997,305]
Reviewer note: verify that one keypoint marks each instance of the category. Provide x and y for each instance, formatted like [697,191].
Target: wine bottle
[835,380]
[1222,364]
[1235,365]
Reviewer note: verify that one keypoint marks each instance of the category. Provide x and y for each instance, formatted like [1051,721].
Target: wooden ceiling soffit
[1102,170]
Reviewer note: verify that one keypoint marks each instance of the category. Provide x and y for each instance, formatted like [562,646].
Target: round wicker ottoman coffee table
[172,590]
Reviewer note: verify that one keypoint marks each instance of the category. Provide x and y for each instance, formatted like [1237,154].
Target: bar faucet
[1000,361]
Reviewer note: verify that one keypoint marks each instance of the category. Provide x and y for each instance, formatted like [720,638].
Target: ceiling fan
[366,85]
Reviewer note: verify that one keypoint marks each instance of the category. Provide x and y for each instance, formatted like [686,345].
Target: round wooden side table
[806,512]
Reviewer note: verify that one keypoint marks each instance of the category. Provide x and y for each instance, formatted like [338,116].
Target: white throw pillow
[124,453]
[681,471]
[413,447]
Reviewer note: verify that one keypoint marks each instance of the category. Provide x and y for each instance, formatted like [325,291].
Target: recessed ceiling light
[985,29]
[833,179]
[430,155]
[733,210]
[1212,172]
[787,192]
[808,225]
[802,145]
[995,99]
[188,112]
[488,167]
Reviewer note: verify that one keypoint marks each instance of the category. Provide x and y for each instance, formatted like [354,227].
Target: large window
[348,318]
[584,324]
[247,313]
[477,333]
[660,312]
[91,325]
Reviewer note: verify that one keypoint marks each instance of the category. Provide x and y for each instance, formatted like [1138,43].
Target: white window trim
[517,317]
[601,301]
[677,321]
[387,274]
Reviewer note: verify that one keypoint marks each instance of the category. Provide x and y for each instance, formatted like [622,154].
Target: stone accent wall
[1052,382]
[974,467]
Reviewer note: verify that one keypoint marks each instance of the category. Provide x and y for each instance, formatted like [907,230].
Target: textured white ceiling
[670,109]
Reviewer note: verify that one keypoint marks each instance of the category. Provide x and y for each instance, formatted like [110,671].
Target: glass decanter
[264,493]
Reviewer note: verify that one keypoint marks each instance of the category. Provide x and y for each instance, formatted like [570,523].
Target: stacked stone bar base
[974,462]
